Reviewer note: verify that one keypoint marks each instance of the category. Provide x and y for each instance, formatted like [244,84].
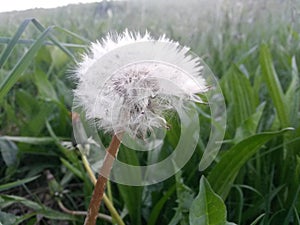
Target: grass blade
[29,140]
[72,168]
[7,186]
[9,48]
[297,218]
[159,205]
[39,208]
[292,95]
[273,84]
[24,62]
[40,27]
[222,176]
[74,35]
[257,219]
[6,40]
[241,96]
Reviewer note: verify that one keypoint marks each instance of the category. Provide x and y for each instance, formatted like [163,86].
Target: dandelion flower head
[127,82]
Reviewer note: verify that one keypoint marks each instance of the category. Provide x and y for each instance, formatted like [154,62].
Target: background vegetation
[252,47]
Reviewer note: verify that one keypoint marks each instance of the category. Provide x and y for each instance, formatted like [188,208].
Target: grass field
[252,47]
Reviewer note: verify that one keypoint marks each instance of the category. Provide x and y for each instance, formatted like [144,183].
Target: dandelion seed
[128,81]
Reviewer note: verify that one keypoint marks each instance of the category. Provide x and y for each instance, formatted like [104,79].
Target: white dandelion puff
[127,82]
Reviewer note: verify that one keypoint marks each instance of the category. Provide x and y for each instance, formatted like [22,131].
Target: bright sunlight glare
[16,5]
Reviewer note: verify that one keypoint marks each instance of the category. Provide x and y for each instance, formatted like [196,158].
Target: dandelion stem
[99,189]
[108,202]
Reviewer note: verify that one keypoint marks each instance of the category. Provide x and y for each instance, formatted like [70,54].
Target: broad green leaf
[249,126]
[64,93]
[132,195]
[58,57]
[207,208]
[34,112]
[23,63]
[23,98]
[7,218]
[222,176]
[240,95]
[9,151]
[17,183]
[45,88]
[274,86]
[43,59]
[36,122]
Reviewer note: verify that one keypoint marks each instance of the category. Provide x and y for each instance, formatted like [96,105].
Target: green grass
[253,48]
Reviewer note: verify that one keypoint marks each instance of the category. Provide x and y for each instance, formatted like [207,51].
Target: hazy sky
[11,5]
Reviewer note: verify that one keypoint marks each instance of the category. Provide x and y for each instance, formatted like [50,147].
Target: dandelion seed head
[127,82]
